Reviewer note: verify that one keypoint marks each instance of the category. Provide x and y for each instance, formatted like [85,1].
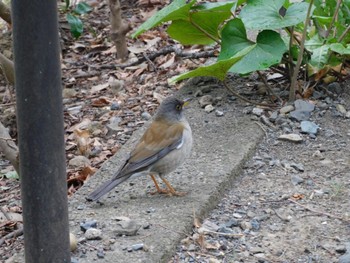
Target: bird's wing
[158,140]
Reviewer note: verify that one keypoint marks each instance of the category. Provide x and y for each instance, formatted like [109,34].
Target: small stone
[100,253]
[334,87]
[214,260]
[79,161]
[255,250]
[341,109]
[273,116]
[286,109]
[340,249]
[246,225]
[291,137]
[146,116]
[219,113]
[198,93]
[257,111]
[298,166]
[93,234]
[126,227]
[232,223]
[299,115]
[74,260]
[209,108]
[115,105]
[347,115]
[137,247]
[302,105]
[309,127]
[255,224]
[205,100]
[225,230]
[73,242]
[236,215]
[296,180]
[88,224]
[69,93]
[326,162]
[208,226]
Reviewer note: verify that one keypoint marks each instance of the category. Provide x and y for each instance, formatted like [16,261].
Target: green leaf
[12,175]
[262,14]
[76,26]
[267,51]
[218,69]
[340,49]
[203,26]
[320,52]
[178,9]
[82,8]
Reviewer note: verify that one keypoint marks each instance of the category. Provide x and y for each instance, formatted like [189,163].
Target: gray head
[171,109]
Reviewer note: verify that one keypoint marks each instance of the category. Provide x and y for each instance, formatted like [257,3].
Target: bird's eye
[178,107]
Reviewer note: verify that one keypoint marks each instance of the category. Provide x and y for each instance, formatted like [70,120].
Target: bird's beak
[186,102]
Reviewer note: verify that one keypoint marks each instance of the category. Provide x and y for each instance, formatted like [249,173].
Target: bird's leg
[172,191]
[159,190]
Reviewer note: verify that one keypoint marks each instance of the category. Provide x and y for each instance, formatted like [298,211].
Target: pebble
[93,234]
[214,260]
[232,223]
[88,224]
[299,115]
[205,100]
[126,227]
[100,253]
[115,106]
[334,87]
[73,242]
[287,109]
[79,161]
[341,109]
[255,224]
[137,247]
[291,137]
[309,127]
[116,85]
[303,105]
[298,166]
[257,111]
[209,108]
[296,180]
[208,226]
[192,247]
[219,113]
[273,116]
[347,115]
[146,116]
[246,225]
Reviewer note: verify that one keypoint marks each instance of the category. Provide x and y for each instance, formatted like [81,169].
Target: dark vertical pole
[40,131]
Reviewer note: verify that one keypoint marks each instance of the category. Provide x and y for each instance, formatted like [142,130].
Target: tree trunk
[118,29]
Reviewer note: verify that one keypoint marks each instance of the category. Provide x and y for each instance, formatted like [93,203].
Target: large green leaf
[267,51]
[340,49]
[218,69]
[319,50]
[76,26]
[262,14]
[178,9]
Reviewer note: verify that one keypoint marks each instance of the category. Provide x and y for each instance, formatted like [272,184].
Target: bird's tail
[105,188]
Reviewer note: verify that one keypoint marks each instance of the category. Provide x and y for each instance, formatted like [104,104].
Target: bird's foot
[160,191]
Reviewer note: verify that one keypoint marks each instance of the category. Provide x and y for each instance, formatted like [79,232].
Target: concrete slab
[221,146]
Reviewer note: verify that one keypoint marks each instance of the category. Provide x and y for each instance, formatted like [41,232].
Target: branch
[9,148]
[5,12]
[179,52]
[7,69]
[300,56]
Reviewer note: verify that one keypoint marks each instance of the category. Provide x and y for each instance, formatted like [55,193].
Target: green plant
[285,40]
[72,15]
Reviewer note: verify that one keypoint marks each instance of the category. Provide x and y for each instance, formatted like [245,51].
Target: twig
[268,86]
[179,52]
[346,31]
[262,127]
[300,55]
[245,99]
[318,212]
[16,233]
[150,62]
[333,18]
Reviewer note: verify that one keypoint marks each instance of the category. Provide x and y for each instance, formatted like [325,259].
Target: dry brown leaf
[97,88]
[100,102]
[82,138]
[298,196]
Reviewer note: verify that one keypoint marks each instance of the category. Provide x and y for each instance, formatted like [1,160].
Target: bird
[164,146]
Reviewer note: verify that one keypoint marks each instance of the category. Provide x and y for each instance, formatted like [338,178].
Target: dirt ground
[291,204]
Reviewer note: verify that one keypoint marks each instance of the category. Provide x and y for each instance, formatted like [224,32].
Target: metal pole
[40,131]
